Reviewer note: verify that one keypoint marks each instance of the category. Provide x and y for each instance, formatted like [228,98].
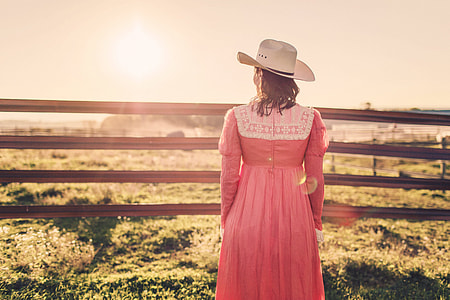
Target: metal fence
[203,143]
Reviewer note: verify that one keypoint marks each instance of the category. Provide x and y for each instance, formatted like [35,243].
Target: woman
[271,204]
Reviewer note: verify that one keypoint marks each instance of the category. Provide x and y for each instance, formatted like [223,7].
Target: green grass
[176,257]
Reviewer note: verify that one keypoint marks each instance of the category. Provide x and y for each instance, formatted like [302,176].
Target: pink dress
[269,211]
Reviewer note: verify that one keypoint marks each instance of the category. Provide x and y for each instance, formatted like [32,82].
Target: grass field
[176,257]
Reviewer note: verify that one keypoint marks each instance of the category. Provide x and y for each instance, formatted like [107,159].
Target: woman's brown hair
[274,91]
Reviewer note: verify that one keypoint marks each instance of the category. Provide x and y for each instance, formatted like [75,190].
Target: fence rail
[145,210]
[200,143]
[108,143]
[85,176]
[158,143]
[158,108]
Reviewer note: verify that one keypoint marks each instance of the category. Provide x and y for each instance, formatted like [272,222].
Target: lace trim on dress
[293,124]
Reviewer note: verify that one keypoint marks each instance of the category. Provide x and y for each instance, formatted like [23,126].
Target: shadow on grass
[354,281]
[410,244]
[362,280]
[93,229]
[145,286]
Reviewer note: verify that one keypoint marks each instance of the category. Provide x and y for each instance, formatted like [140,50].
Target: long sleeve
[230,148]
[317,146]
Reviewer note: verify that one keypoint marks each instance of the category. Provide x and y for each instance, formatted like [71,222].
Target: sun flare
[137,53]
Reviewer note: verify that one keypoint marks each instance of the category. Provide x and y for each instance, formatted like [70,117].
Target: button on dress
[271,204]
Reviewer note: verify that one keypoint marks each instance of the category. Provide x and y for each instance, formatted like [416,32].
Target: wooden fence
[191,143]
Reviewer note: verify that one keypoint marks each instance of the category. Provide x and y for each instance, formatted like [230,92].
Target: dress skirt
[269,248]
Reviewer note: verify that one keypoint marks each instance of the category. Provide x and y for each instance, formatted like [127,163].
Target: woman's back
[278,140]
[269,248]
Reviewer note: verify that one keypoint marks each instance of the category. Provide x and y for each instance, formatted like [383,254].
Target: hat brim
[301,72]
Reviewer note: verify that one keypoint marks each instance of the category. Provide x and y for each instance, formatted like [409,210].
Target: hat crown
[277,55]
[279,58]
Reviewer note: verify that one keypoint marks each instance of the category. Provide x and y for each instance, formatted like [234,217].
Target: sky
[391,53]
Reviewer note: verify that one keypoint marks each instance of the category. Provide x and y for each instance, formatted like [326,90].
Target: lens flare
[311,184]
[300,177]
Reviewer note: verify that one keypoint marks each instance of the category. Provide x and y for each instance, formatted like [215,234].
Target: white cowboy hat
[280,58]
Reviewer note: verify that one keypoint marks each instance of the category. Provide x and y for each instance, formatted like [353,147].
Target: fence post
[374,166]
[443,164]
[333,167]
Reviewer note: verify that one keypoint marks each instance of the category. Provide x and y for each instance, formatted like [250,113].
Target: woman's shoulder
[318,121]
[316,112]
[242,112]
[242,107]
[237,114]
[238,108]
[311,112]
